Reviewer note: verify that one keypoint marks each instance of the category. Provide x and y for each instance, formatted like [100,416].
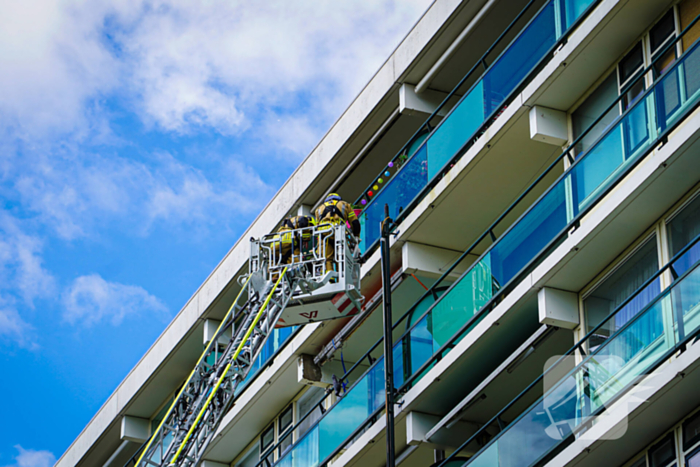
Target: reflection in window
[309,400]
[285,432]
[618,286]
[660,36]
[663,454]
[591,109]
[682,229]
[691,431]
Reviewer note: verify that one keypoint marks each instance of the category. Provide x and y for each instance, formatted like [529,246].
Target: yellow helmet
[333,197]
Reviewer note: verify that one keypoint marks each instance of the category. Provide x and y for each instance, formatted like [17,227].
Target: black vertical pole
[386,226]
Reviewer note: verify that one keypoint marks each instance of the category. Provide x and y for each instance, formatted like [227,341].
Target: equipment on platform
[296,290]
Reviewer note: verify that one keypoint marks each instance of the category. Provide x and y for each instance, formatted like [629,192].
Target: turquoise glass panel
[573,9]
[519,59]
[462,302]
[345,417]
[456,130]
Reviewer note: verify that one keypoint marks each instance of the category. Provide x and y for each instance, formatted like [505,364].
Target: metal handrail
[496,298]
[669,266]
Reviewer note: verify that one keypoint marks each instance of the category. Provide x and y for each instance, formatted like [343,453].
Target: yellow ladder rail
[228,367]
[189,378]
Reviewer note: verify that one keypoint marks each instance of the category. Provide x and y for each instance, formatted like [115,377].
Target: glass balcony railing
[430,153]
[640,343]
[450,316]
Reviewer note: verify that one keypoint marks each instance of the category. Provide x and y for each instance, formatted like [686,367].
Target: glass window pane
[682,229]
[285,443]
[691,431]
[267,438]
[591,109]
[688,10]
[619,285]
[286,419]
[693,460]
[662,31]
[633,93]
[631,64]
[309,400]
[663,453]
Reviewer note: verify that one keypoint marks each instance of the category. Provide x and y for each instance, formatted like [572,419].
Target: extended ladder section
[295,277]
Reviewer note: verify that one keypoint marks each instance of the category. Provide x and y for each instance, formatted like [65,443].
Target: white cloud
[21,268]
[185,64]
[32,458]
[15,330]
[91,300]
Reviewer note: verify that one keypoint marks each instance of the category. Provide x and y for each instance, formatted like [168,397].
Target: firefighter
[290,242]
[334,211]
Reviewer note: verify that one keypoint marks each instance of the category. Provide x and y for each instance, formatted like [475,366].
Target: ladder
[191,421]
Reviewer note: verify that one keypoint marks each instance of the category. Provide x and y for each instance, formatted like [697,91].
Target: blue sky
[138,140]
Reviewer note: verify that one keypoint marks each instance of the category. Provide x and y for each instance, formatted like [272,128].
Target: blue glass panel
[529,236]
[456,130]
[519,59]
[398,193]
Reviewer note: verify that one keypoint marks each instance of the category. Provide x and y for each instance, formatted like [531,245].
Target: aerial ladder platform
[294,278]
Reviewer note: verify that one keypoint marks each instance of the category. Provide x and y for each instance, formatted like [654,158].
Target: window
[309,401]
[591,109]
[663,454]
[627,76]
[688,10]
[618,286]
[693,459]
[285,430]
[267,439]
[691,431]
[682,229]
[660,36]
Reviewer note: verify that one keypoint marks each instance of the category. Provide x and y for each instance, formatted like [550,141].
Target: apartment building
[542,163]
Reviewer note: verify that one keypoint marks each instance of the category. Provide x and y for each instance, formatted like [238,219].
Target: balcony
[575,402]
[432,334]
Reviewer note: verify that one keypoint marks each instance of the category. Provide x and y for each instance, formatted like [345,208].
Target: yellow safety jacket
[293,223]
